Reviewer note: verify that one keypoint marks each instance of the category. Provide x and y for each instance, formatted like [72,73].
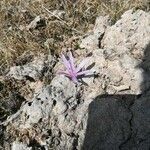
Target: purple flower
[72,71]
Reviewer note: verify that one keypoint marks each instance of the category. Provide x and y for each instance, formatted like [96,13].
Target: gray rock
[101,23]
[37,22]
[31,71]
[130,33]
[20,146]
[92,41]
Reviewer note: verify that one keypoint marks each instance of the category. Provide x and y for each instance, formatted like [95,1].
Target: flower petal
[66,62]
[71,61]
[74,79]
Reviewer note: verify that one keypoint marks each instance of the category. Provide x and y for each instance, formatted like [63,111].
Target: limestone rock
[92,41]
[31,71]
[20,146]
[130,33]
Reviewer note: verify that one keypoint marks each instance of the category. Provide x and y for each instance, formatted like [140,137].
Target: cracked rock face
[130,33]
[109,110]
[31,71]
[93,40]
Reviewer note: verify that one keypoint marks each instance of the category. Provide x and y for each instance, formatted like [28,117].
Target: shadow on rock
[121,122]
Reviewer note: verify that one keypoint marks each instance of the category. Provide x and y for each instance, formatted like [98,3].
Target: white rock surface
[130,33]
[20,146]
[31,70]
[91,41]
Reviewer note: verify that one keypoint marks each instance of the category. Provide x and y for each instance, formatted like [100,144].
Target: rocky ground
[106,111]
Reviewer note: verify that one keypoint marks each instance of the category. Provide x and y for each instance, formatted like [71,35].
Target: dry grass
[15,15]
